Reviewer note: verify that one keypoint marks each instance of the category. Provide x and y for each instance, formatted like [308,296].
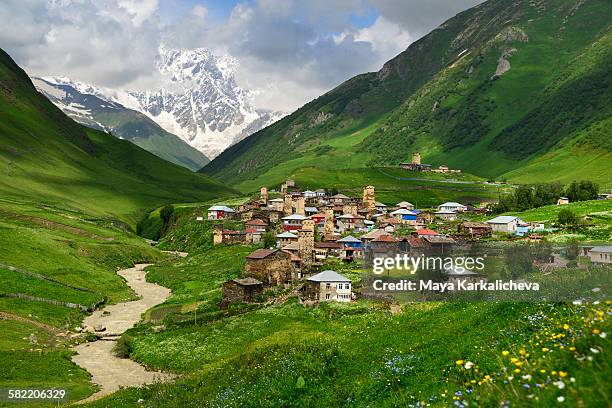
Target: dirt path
[108,371]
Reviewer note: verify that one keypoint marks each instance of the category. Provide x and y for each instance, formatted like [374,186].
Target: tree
[573,250]
[519,260]
[542,251]
[268,239]
[567,218]
[582,191]
[524,198]
[166,215]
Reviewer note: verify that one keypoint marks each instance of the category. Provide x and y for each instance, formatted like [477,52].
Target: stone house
[323,250]
[276,204]
[270,266]
[230,237]
[474,229]
[328,286]
[381,247]
[241,290]
[256,224]
[340,199]
[285,239]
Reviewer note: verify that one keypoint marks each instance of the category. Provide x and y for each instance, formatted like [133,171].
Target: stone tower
[369,197]
[300,206]
[416,158]
[263,195]
[218,234]
[329,221]
[287,210]
[306,243]
[349,209]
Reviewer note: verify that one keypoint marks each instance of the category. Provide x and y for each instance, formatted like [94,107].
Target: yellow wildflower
[459,362]
[544,349]
[517,370]
[596,331]
[522,352]
[505,353]
[562,374]
[566,326]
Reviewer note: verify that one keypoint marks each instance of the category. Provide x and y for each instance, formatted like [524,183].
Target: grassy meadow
[56,255]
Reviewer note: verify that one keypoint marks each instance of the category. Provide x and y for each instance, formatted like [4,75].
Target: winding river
[106,370]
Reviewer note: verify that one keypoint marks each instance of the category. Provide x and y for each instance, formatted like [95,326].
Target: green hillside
[515,89]
[45,157]
[142,131]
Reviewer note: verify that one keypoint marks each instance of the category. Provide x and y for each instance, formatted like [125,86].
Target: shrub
[123,347]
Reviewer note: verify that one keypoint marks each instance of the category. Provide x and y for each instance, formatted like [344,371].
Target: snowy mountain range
[203,106]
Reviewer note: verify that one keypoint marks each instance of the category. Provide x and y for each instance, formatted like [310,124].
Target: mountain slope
[469,94]
[91,108]
[47,158]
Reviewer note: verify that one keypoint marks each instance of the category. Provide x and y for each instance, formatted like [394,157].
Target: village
[313,227]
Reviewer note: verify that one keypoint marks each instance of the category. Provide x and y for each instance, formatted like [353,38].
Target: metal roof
[294,217]
[503,219]
[328,276]
[220,208]
[349,238]
[286,235]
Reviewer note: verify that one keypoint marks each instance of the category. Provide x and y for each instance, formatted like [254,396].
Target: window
[327,296]
[328,286]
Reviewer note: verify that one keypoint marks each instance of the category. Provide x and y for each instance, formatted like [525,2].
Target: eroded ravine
[107,370]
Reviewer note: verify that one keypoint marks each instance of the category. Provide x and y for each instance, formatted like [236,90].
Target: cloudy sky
[288,51]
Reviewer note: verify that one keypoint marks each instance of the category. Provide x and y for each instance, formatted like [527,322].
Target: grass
[39,364]
[78,254]
[392,184]
[48,158]
[360,355]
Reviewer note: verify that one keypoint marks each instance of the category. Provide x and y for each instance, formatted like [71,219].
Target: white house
[309,194]
[329,286]
[601,254]
[504,223]
[219,212]
[452,206]
[446,215]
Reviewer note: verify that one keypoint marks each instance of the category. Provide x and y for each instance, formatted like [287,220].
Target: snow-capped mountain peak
[205,106]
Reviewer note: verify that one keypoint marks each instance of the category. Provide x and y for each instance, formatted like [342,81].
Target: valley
[135,273]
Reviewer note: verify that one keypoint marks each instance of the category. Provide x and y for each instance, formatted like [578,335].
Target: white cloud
[289,51]
[386,37]
[140,10]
